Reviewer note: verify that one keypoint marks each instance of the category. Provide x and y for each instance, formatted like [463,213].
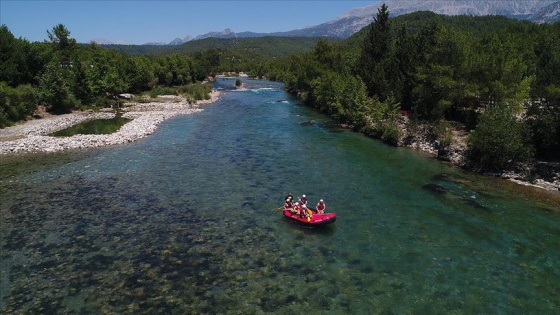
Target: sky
[140,22]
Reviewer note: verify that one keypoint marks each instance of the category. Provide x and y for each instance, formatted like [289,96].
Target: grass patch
[93,127]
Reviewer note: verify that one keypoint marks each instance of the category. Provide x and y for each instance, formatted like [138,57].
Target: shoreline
[541,175]
[32,135]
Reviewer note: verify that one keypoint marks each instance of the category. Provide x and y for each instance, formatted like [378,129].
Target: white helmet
[303,196]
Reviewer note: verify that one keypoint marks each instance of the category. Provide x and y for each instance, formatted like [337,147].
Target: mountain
[548,14]
[227,33]
[540,11]
[103,41]
[176,41]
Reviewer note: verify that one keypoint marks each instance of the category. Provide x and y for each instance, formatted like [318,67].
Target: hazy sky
[139,22]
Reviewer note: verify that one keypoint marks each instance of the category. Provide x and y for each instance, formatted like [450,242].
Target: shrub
[162,90]
[499,141]
[16,103]
[195,92]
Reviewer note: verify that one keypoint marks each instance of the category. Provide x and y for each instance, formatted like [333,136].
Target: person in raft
[288,205]
[303,201]
[297,208]
[321,206]
[290,197]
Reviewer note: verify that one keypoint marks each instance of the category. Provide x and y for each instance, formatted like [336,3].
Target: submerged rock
[307,123]
[435,189]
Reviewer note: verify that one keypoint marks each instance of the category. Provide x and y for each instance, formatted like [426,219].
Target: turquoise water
[184,222]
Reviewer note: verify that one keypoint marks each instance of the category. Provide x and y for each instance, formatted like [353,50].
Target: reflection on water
[185,222]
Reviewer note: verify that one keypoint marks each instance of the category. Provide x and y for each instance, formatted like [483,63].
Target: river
[185,222]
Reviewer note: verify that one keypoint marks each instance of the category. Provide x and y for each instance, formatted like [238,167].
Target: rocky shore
[540,174]
[33,135]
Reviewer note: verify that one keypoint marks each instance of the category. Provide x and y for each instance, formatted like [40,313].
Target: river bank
[33,135]
[540,174]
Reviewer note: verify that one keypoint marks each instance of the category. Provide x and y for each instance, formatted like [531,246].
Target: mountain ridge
[350,22]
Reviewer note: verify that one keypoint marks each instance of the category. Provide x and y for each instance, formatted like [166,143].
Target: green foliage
[12,59]
[500,140]
[376,63]
[55,88]
[192,92]
[195,92]
[441,68]
[16,103]
[341,96]
[381,121]
[162,90]
[63,45]
[67,75]
[436,73]
[545,126]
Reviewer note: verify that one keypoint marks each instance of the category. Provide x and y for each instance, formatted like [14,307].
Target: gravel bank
[32,136]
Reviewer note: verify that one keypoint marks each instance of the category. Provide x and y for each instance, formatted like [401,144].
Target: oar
[277,209]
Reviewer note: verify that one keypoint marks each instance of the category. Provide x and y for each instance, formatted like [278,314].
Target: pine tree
[376,61]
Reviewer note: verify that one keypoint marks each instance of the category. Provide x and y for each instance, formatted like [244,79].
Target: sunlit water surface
[185,222]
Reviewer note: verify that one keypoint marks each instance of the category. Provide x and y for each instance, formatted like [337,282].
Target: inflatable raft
[315,219]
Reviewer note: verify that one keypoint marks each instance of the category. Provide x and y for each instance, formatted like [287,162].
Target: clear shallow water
[185,222]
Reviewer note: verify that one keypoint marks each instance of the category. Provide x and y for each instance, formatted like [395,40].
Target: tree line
[497,76]
[63,75]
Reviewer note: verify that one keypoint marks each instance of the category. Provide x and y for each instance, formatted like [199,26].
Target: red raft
[316,219]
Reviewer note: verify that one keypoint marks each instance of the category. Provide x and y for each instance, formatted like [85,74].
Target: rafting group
[299,211]
[300,207]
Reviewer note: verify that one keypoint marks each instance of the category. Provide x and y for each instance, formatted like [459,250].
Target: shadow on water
[325,230]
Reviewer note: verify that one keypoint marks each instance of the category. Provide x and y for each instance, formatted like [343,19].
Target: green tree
[63,46]
[436,76]
[140,73]
[13,55]
[500,140]
[16,103]
[376,64]
[55,88]
[381,122]
[498,71]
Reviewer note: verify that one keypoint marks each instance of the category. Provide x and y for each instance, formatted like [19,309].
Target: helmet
[321,200]
[303,196]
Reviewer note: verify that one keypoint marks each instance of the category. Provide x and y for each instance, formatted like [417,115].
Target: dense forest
[63,75]
[499,78]
[230,54]
[267,46]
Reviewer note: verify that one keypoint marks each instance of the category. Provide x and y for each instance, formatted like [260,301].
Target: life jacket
[304,200]
[320,206]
